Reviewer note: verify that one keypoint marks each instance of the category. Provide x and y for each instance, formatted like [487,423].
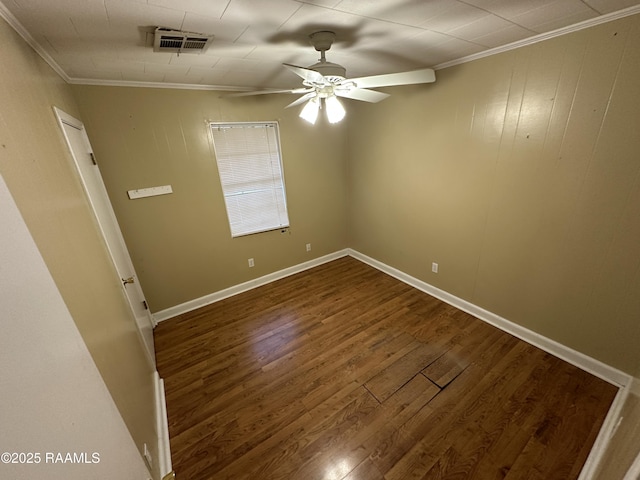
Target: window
[250,167]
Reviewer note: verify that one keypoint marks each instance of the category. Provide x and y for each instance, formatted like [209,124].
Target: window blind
[250,168]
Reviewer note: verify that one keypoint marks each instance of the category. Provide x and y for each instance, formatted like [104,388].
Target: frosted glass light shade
[310,111]
[335,110]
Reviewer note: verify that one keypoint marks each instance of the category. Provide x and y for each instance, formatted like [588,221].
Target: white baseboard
[243,287]
[580,360]
[634,470]
[610,424]
[162,427]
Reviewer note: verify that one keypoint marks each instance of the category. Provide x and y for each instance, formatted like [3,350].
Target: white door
[82,154]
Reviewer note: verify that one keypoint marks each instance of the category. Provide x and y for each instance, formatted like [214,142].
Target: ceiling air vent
[174,41]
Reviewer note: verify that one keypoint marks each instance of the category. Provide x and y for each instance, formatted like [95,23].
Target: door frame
[66,119]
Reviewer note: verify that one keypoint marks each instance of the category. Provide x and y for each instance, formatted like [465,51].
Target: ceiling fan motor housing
[331,71]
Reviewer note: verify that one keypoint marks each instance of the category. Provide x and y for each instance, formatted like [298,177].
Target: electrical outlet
[308,247]
[251,262]
[434,267]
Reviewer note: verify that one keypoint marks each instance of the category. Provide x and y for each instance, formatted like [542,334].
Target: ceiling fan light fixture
[310,111]
[335,110]
[324,81]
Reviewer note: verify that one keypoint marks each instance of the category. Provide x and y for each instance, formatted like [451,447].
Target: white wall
[52,398]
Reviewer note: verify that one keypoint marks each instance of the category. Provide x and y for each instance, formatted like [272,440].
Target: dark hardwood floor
[344,373]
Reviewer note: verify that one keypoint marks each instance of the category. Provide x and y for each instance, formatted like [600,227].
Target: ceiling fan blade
[302,99]
[265,92]
[309,75]
[426,75]
[362,94]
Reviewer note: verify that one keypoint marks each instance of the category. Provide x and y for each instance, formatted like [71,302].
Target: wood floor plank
[372,426]
[365,471]
[389,381]
[389,443]
[444,369]
[344,372]
[285,443]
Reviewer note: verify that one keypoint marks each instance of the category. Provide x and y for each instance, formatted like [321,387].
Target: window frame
[281,211]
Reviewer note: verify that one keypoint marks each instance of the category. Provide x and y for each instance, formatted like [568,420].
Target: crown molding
[609,17]
[17,26]
[131,83]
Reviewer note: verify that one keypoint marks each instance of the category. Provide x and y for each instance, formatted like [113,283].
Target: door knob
[128,280]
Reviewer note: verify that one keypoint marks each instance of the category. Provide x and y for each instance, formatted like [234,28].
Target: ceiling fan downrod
[322,42]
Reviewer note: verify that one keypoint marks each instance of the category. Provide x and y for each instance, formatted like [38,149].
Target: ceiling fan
[324,81]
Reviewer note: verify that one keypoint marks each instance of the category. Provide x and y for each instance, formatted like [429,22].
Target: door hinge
[93,158]
[144,303]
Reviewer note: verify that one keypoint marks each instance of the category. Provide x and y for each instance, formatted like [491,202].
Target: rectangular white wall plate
[149,192]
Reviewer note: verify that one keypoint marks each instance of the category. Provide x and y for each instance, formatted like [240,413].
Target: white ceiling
[98,41]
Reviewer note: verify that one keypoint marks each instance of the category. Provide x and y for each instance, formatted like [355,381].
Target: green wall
[39,171]
[180,244]
[519,174]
